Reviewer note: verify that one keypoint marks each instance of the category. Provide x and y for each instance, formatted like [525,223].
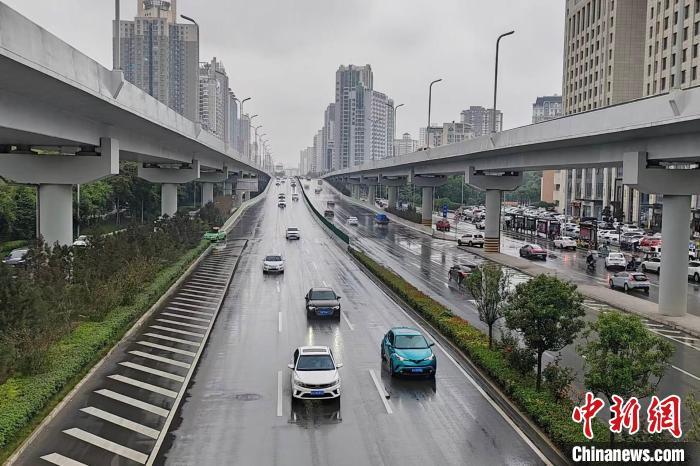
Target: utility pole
[495,82]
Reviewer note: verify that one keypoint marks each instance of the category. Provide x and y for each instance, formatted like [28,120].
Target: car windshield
[18,254]
[410,342]
[616,255]
[273,259]
[316,362]
[640,278]
[322,295]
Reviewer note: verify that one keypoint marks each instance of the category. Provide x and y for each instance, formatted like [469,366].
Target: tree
[625,359]
[548,312]
[489,287]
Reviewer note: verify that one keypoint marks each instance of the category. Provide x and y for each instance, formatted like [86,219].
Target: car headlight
[335,308]
[399,357]
[312,308]
[336,381]
[429,358]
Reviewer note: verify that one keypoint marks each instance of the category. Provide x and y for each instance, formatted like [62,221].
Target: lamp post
[495,81]
[394,109]
[430,102]
[255,140]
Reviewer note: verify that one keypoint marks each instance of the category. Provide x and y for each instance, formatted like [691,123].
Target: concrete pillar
[673,282]
[168,199]
[372,194]
[207,193]
[228,189]
[427,206]
[56,213]
[492,234]
[393,194]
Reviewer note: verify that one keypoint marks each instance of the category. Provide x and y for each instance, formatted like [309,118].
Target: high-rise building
[456,132]
[379,125]
[214,98]
[350,83]
[327,140]
[160,56]
[405,145]
[479,118]
[432,138]
[603,65]
[317,160]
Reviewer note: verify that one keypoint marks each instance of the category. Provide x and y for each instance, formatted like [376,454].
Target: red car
[533,251]
[442,225]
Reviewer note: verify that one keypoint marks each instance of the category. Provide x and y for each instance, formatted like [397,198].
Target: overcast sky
[284,53]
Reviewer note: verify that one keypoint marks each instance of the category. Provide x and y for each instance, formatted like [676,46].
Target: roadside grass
[26,400]
[549,414]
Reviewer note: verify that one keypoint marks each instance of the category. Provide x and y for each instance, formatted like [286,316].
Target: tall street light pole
[395,107]
[495,81]
[430,102]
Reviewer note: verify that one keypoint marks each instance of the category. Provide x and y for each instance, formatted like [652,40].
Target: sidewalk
[615,299]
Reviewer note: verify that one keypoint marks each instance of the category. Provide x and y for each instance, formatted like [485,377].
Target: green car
[215,235]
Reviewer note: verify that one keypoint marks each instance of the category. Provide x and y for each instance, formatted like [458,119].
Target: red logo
[624,415]
[665,415]
[587,412]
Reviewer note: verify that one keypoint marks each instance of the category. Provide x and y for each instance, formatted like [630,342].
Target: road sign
[444,211]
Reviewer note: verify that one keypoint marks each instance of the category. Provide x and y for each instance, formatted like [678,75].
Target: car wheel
[646,290]
[470,244]
[612,286]
[627,288]
[309,314]
[459,243]
[696,277]
[391,368]
[644,268]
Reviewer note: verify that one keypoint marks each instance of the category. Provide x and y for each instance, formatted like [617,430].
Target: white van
[471,239]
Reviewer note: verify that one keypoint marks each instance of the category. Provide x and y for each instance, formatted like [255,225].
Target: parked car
[630,281]
[615,260]
[273,264]
[442,225]
[471,239]
[293,233]
[694,271]
[407,352]
[461,271]
[328,213]
[16,257]
[315,373]
[533,251]
[381,219]
[652,264]
[481,225]
[565,242]
[322,302]
[352,221]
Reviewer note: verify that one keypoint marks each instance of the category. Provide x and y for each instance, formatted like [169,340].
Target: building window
[663,84]
[685,55]
[665,43]
[665,23]
[648,88]
[695,51]
[694,73]
[663,63]
[685,33]
[683,77]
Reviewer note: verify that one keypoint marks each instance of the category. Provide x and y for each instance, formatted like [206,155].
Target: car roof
[321,288]
[405,331]
[314,350]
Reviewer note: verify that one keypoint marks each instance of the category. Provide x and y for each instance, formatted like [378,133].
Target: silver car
[630,281]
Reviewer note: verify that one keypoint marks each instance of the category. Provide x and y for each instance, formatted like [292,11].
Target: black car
[16,257]
[328,213]
[533,251]
[322,302]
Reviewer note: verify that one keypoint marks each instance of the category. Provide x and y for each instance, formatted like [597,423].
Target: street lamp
[241,104]
[430,101]
[495,82]
[394,110]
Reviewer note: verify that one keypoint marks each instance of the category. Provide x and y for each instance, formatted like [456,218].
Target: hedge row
[24,400]
[551,415]
[8,246]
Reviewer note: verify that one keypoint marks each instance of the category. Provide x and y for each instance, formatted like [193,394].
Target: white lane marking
[172,362]
[150,370]
[173,339]
[108,445]
[165,348]
[143,385]
[174,330]
[315,267]
[685,372]
[480,390]
[649,324]
[196,306]
[180,316]
[279,322]
[279,393]
[133,402]
[174,322]
[382,392]
[199,297]
[680,342]
[324,283]
[666,330]
[194,289]
[278,287]
[347,321]
[182,309]
[687,338]
[199,301]
[61,460]
[120,421]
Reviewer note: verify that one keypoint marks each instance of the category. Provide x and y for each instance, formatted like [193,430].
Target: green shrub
[558,379]
[552,415]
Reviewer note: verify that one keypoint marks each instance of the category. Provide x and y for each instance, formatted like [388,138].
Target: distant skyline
[285,54]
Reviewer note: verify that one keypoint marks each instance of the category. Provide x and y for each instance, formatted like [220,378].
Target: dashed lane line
[107,445]
[685,372]
[133,402]
[166,348]
[173,339]
[143,385]
[150,370]
[176,330]
[122,422]
[279,393]
[347,321]
[382,392]
[172,362]
[61,460]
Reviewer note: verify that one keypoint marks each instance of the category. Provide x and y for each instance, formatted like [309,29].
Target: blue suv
[407,352]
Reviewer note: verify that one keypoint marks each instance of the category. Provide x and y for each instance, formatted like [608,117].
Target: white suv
[293,233]
[471,239]
[315,373]
[565,242]
[615,260]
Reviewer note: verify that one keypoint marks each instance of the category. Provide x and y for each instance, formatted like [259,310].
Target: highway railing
[337,231]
